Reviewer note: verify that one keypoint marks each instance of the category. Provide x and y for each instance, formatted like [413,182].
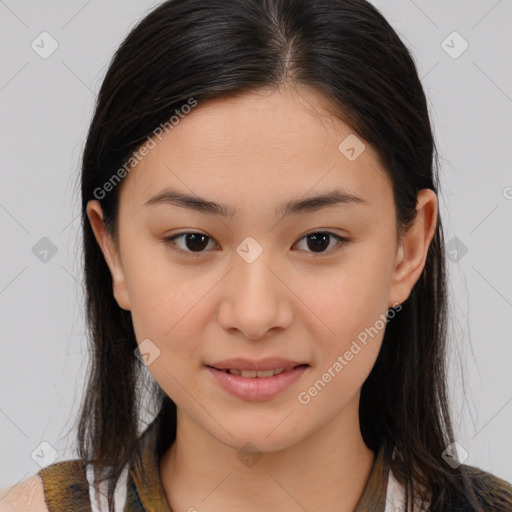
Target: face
[310,284]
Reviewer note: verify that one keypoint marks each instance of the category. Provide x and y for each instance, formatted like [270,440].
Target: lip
[254,389]
[270,363]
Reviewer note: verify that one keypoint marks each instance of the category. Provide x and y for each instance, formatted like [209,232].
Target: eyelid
[341,241]
[169,242]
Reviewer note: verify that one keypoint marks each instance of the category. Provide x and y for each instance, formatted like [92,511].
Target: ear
[412,251]
[110,253]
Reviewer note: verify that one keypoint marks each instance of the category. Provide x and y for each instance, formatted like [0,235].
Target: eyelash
[170,242]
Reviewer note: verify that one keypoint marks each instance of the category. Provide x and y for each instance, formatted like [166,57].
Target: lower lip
[257,388]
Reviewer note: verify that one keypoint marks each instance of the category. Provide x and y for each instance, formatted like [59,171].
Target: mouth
[257,384]
[258,374]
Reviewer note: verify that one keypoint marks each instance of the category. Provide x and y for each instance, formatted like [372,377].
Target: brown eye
[319,241]
[191,242]
[194,244]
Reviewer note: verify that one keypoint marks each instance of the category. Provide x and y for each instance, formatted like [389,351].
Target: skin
[254,152]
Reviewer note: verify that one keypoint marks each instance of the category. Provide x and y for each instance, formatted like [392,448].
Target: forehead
[273,143]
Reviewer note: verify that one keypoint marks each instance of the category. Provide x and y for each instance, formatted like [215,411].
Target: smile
[257,385]
[255,373]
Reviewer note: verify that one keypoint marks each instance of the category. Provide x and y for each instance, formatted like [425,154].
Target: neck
[326,471]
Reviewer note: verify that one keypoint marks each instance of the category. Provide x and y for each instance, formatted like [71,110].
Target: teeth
[254,373]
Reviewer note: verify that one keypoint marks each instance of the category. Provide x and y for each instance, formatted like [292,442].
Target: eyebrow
[334,198]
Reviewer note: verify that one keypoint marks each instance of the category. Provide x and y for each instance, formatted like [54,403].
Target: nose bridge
[253,277]
[254,300]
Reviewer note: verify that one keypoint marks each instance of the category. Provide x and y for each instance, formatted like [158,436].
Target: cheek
[346,300]
[345,352]
[164,304]
[165,308]
[348,325]
[163,295]
[170,307]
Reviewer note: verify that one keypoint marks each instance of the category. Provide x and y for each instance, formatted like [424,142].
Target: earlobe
[110,253]
[413,250]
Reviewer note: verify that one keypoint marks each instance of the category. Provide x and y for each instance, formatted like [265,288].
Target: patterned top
[68,484]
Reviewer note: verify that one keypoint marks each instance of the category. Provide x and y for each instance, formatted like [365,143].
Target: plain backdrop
[461,49]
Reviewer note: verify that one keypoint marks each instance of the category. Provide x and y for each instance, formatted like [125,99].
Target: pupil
[320,239]
[195,238]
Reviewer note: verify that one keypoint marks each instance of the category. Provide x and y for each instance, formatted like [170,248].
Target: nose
[255,298]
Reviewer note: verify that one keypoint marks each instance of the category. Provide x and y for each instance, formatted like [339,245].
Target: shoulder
[491,491]
[62,486]
[27,495]
[487,484]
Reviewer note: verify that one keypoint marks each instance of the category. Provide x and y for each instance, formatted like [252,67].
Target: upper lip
[271,363]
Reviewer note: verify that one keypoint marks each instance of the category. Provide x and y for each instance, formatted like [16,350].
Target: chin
[271,435]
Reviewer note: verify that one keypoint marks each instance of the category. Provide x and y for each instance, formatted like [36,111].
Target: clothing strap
[375,491]
[145,492]
[66,487]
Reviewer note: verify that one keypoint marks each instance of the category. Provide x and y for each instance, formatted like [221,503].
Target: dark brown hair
[206,49]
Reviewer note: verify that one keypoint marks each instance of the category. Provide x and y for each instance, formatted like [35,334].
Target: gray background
[46,105]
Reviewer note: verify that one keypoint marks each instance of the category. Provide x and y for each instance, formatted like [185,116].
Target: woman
[262,238]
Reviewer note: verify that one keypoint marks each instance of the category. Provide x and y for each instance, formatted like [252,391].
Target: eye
[320,240]
[195,243]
